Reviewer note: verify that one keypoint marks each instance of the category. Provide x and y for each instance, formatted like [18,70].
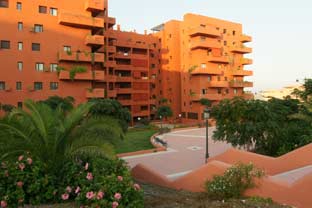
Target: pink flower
[100,195]
[89,176]
[68,189]
[90,195]
[117,196]
[136,187]
[21,157]
[21,166]
[115,204]
[87,166]
[29,161]
[20,184]
[3,204]
[77,190]
[65,196]
[120,178]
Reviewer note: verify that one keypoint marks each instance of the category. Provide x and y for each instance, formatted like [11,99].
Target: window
[219,66]
[209,78]
[43,9]
[39,67]
[20,46]
[19,6]
[20,104]
[35,46]
[219,91]
[225,79]
[19,26]
[234,32]
[219,78]
[224,31]
[227,91]
[53,67]
[18,85]
[20,66]
[2,85]
[53,85]
[204,91]
[233,43]
[38,85]
[235,91]
[5,44]
[225,42]
[67,48]
[202,38]
[4,3]
[53,11]
[38,28]
[203,66]
[209,51]
[153,66]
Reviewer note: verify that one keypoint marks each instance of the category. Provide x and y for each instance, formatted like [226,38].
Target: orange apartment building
[202,57]
[71,48]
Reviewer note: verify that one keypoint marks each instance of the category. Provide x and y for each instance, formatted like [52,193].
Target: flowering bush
[24,182]
[234,182]
[101,183]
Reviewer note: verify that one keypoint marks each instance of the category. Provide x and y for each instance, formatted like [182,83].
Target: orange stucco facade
[42,41]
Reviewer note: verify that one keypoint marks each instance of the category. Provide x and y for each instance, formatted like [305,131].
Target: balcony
[123,79]
[141,113]
[111,93]
[247,61]
[81,21]
[242,73]
[124,90]
[241,49]
[65,75]
[95,93]
[95,5]
[218,84]
[240,84]
[94,40]
[98,75]
[81,56]
[110,64]
[205,44]
[125,102]
[245,38]
[220,59]
[111,21]
[139,56]
[153,102]
[214,97]
[201,71]
[205,31]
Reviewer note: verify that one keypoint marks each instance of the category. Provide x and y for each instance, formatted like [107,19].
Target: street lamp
[160,117]
[206,117]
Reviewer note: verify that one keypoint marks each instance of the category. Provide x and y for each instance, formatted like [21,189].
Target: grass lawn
[136,139]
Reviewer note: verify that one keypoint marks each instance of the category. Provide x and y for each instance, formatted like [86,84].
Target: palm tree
[54,137]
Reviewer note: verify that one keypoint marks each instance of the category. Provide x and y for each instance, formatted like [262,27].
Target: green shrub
[235,181]
[75,70]
[24,182]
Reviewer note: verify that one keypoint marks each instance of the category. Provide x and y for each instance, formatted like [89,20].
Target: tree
[54,137]
[264,127]
[65,104]
[164,111]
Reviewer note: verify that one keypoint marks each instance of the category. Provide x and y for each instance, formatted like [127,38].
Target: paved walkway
[186,152]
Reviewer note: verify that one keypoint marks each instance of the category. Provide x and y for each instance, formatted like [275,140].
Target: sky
[281,31]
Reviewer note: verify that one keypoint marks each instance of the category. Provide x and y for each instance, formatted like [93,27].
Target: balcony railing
[110,64]
[81,56]
[218,84]
[239,84]
[205,44]
[242,73]
[95,5]
[219,59]
[205,31]
[111,49]
[78,20]
[111,93]
[215,97]
[123,79]
[124,90]
[95,93]
[111,21]
[245,38]
[125,102]
[247,61]
[94,40]
[199,71]
[111,78]
[241,49]
[89,75]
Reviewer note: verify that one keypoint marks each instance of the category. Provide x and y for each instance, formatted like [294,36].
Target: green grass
[136,140]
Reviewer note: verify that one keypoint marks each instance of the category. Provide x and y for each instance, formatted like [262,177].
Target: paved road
[186,152]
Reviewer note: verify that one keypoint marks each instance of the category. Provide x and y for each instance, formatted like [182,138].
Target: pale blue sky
[281,30]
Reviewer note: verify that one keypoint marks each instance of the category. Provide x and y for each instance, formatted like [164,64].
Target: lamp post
[139,120]
[160,117]
[206,117]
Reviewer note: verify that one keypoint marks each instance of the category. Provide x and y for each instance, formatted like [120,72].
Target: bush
[100,183]
[235,181]
[24,182]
